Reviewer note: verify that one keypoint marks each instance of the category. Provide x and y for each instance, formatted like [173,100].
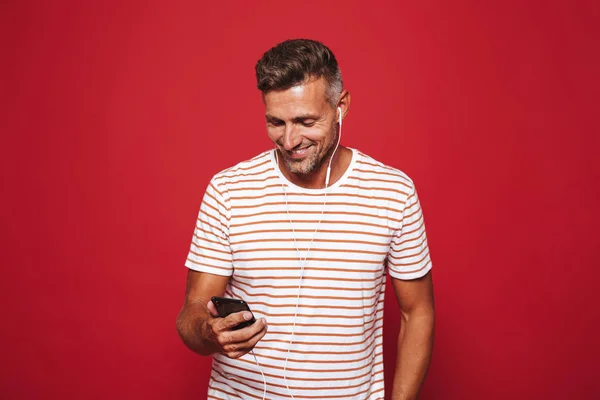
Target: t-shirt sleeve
[210,251]
[409,254]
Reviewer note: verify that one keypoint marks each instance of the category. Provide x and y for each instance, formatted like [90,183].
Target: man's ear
[344,102]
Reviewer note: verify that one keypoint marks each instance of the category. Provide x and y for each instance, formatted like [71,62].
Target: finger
[244,334]
[212,309]
[239,349]
[249,337]
[236,354]
[250,343]
[256,338]
[233,320]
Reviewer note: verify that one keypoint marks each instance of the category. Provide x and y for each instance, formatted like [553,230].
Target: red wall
[114,118]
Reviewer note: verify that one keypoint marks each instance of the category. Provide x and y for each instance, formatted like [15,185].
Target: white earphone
[302,259]
[336,147]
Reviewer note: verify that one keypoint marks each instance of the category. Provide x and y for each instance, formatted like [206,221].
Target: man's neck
[316,178]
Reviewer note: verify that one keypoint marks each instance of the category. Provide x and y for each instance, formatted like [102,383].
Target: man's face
[302,124]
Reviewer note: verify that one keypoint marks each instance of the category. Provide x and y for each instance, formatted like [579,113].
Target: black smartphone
[226,306]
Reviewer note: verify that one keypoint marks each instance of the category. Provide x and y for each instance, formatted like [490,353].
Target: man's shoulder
[377,171]
[253,166]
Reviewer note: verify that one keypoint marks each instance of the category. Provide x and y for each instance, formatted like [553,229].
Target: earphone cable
[303,261]
[263,375]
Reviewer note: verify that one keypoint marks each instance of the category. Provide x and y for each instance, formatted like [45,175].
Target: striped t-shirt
[371,220]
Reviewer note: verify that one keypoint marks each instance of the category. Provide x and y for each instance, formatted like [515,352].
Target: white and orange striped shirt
[371,221]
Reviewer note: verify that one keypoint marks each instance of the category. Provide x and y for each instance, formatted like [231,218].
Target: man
[304,234]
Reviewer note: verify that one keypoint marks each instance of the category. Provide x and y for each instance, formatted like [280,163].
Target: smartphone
[226,306]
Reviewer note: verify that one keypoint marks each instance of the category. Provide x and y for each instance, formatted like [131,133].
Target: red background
[115,116]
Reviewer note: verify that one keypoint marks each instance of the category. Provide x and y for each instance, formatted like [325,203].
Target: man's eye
[275,123]
[308,123]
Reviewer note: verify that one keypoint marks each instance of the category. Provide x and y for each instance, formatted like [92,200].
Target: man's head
[302,88]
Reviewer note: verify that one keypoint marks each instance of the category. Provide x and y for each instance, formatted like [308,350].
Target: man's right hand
[234,343]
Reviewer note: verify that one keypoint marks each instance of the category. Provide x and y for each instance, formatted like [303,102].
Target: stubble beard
[303,166]
[313,160]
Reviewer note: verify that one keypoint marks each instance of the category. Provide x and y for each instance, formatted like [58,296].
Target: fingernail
[248,315]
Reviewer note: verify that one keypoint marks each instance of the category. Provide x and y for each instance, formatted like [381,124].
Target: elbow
[425,312]
[180,324]
[421,323]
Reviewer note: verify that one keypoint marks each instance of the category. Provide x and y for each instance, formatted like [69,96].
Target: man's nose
[291,137]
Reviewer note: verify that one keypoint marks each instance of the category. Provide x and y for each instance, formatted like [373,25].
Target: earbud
[340,113]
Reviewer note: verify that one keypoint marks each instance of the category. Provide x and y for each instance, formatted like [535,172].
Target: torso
[336,349]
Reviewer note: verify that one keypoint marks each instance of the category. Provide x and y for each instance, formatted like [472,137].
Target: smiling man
[305,234]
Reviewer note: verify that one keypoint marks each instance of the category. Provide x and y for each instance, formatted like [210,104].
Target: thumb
[212,309]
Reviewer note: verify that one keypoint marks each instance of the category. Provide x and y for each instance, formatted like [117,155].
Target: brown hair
[292,62]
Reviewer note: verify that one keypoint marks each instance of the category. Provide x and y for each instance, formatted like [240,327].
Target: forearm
[193,329]
[415,344]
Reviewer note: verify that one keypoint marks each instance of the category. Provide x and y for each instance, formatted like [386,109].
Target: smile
[299,153]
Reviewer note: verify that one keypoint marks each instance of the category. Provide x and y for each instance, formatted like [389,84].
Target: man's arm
[415,340]
[200,328]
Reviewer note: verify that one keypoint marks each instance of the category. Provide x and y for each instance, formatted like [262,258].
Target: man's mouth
[299,153]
